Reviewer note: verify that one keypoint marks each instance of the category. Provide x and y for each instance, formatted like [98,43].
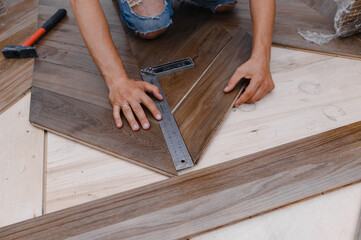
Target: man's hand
[261,83]
[127,96]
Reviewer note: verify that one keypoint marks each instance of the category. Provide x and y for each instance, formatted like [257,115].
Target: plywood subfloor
[309,98]
[15,74]
[74,101]
[21,161]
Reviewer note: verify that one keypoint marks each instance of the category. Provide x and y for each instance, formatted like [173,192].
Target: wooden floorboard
[21,161]
[65,76]
[94,125]
[217,195]
[206,105]
[15,75]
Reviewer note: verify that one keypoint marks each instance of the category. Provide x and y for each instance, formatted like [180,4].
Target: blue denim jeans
[144,25]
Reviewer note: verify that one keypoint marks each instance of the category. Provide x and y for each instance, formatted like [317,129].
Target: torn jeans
[144,25]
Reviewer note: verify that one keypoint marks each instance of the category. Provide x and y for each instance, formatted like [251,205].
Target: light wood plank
[21,161]
[78,174]
[331,216]
[211,197]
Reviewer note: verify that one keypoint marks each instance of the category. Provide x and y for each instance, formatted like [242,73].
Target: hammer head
[19,51]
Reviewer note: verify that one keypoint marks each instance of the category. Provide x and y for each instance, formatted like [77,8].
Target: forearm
[263,14]
[96,34]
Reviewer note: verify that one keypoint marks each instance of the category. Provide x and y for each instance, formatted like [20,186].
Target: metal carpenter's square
[176,145]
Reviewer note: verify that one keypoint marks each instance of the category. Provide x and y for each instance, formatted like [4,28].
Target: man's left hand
[261,83]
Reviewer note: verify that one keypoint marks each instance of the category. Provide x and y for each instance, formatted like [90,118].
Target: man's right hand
[127,95]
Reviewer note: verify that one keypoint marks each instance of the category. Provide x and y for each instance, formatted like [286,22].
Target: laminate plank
[21,161]
[205,106]
[71,82]
[203,48]
[187,20]
[217,195]
[95,126]
[15,75]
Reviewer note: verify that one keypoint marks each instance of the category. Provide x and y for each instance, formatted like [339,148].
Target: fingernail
[226,88]
[158,116]
[135,126]
[118,125]
[146,125]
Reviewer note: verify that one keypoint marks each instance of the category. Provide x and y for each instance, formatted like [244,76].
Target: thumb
[236,77]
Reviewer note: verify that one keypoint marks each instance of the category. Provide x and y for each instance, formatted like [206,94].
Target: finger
[248,94]
[116,115]
[236,77]
[148,102]
[259,94]
[139,112]
[153,90]
[128,113]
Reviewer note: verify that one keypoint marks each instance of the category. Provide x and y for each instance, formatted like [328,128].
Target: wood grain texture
[94,125]
[15,74]
[216,195]
[77,174]
[292,15]
[203,48]
[206,105]
[330,215]
[286,114]
[21,165]
[68,86]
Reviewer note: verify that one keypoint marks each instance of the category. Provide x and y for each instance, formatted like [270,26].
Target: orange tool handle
[46,27]
[31,40]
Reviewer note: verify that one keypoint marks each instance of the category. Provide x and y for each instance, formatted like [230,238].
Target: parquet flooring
[74,101]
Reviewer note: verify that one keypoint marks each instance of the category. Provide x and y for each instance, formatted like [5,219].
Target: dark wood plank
[15,74]
[71,82]
[203,49]
[204,108]
[186,21]
[212,197]
[95,126]
[70,96]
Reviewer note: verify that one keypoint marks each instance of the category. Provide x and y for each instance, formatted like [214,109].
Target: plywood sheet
[15,74]
[21,161]
[216,195]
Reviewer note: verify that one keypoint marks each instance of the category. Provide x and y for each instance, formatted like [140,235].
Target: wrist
[261,54]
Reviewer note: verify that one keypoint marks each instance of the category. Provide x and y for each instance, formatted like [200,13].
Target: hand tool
[26,50]
[176,145]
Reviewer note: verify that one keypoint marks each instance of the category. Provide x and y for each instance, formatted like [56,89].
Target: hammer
[26,50]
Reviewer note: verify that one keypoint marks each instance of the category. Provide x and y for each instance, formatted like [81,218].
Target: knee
[226,7]
[152,35]
[148,19]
